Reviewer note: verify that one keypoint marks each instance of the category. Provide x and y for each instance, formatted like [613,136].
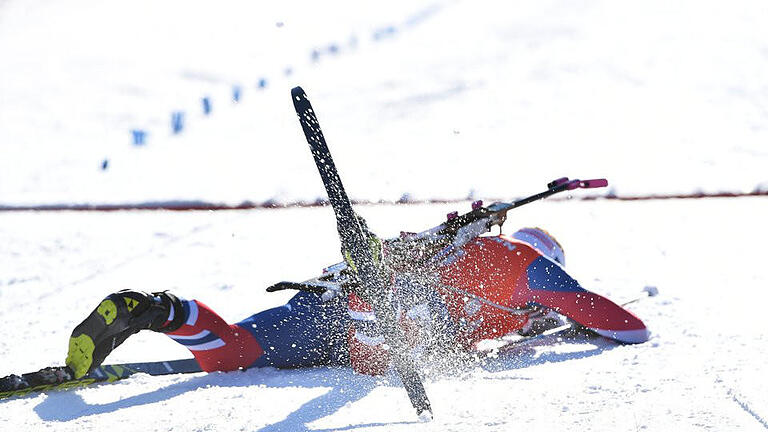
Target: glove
[331,292]
[471,231]
[340,281]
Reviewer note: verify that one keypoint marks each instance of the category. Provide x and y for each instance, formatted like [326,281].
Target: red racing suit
[485,290]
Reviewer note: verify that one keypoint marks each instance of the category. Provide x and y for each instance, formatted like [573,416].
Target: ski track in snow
[746,407]
[742,402]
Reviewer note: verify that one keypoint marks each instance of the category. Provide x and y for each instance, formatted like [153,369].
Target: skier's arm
[414,252]
[551,287]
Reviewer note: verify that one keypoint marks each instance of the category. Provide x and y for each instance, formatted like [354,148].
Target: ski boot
[117,317]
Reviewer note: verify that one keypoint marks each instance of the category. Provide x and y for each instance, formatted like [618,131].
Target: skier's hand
[407,255]
[470,231]
[343,283]
[330,293]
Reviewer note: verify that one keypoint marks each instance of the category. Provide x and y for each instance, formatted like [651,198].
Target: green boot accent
[80,355]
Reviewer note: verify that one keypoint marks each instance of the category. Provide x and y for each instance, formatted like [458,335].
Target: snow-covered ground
[703,369]
[460,98]
[487,98]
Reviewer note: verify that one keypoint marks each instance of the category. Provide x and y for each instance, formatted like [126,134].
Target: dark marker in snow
[177,122]
[206,105]
[138,136]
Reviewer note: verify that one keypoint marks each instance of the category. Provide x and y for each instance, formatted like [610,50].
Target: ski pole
[648,291]
[497,212]
[553,187]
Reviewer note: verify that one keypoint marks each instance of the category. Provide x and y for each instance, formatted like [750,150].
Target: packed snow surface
[418,100]
[703,368]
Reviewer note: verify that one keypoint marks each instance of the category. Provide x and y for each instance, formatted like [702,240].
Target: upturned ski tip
[297,92]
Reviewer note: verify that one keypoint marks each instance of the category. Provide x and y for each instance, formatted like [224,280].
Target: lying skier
[452,292]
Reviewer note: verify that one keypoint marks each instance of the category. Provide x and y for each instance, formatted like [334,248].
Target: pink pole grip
[558,182]
[594,183]
[573,184]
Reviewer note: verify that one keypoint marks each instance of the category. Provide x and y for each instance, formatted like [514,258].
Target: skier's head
[544,242]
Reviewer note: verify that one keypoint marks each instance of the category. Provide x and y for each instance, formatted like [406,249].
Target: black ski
[59,377]
[354,240]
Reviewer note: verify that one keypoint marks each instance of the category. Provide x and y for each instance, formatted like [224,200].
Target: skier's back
[489,287]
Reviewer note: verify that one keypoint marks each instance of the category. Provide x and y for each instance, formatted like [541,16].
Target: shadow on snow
[69,405]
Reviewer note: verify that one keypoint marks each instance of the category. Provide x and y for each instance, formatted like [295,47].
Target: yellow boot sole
[80,354]
[81,347]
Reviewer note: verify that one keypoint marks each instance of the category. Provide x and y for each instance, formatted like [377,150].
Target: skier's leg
[216,345]
[304,332]
[116,318]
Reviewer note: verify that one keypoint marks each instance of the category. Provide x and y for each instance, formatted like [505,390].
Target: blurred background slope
[427,99]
